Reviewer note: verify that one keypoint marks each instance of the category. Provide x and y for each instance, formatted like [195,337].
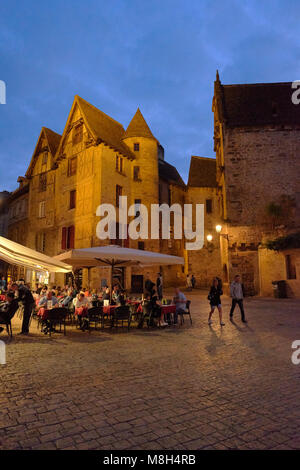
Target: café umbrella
[114,255]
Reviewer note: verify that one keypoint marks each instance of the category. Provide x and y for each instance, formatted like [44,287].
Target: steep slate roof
[202,172]
[138,127]
[169,173]
[103,127]
[53,140]
[257,104]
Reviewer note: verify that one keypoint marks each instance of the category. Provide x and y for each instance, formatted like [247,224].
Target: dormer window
[77,134]
[45,158]
[136,147]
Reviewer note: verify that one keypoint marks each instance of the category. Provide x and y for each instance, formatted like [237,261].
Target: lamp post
[224,235]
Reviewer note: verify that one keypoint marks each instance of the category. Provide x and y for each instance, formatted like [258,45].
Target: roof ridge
[203,158]
[99,110]
[51,130]
[256,84]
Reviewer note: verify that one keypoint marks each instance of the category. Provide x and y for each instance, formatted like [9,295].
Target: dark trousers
[160,292]
[26,317]
[240,304]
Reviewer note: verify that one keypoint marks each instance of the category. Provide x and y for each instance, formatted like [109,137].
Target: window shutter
[64,238]
[71,237]
[126,241]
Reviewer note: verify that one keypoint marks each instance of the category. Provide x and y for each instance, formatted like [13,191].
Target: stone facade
[257,136]
[91,163]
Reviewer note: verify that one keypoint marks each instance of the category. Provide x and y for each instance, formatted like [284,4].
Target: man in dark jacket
[8,309]
[24,296]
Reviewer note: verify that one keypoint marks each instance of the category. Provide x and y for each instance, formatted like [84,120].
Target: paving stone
[176,388]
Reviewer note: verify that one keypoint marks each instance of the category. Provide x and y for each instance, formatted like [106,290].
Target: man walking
[237,294]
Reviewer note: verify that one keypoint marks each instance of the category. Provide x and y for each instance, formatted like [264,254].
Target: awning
[14,253]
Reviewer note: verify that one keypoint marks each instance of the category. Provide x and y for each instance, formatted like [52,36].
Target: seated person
[49,297]
[121,300]
[82,304]
[8,309]
[69,297]
[115,294]
[180,302]
[106,295]
[156,308]
[146,310]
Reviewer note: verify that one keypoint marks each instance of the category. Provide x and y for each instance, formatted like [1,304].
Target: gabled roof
[257,104]
[138,127]
[101,127]
[169,173]
[202,172]
[52,139]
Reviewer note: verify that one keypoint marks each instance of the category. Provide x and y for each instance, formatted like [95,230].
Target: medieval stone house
[257,145]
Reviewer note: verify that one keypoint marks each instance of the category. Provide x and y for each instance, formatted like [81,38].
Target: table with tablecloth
[2,298]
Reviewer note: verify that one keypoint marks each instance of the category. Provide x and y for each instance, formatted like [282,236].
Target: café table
[109,309]
[168,310]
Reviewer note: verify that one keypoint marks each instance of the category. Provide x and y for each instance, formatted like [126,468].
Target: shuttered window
[68,238]
[42,206]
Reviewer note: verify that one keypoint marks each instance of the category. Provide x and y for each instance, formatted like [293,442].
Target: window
[72,168]
[120,241]
[137,203]
[72,204]
[40,242]
[68,238]
[118,194]
[119,163]
[42,205]
[141,245]
[208,204]
[77,134]
[136,173]
[136,147]
[43,182]
[45,158]
[290,267]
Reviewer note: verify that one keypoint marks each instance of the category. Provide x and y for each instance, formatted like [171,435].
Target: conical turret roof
[138,127]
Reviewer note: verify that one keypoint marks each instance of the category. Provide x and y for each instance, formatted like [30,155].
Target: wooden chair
[57,316]
[187,311]
[95,315]
[8,327]
[121,314]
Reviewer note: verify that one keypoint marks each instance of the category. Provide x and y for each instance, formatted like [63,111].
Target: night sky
[159,55]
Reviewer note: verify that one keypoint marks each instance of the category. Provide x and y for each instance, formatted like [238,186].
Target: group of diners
[80,302]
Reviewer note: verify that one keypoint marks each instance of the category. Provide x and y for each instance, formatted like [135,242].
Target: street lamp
[209,238]
[224,235]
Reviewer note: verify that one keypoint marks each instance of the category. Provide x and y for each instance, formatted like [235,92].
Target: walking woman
[214,298]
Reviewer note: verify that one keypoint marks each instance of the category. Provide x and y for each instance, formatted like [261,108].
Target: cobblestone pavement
[178,388]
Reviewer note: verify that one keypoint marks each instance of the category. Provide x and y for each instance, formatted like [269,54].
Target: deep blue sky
[160,55]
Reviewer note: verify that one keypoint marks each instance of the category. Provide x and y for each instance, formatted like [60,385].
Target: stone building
[256,140]
[94,162]
[205,264]
[4,195]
